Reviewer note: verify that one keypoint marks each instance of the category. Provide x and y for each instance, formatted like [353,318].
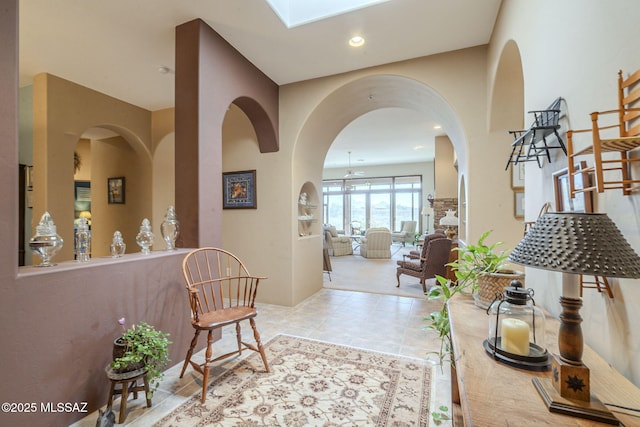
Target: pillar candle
[515,336]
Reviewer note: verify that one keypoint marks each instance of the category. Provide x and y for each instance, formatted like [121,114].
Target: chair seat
[411,265]
[613,144]
[226,316]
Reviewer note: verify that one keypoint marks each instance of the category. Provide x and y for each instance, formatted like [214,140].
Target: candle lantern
[516,330]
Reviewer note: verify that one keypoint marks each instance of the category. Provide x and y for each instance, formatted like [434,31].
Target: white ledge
[34,270]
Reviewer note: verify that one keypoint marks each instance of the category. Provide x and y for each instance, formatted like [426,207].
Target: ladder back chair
[532,144]
[618,136]
[221,293]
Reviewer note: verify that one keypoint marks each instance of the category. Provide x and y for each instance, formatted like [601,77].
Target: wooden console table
[491,393]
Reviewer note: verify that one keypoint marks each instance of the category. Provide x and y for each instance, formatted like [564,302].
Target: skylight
[294,13]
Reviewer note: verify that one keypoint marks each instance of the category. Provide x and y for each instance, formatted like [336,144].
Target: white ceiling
[118,46]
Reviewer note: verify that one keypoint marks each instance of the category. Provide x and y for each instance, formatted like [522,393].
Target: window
[372,202]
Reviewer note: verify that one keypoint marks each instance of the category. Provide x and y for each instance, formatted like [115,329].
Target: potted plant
[475,262]
[142,347]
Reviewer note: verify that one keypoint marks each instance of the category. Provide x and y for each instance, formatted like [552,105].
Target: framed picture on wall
[518,204]
[583,201]
[115,190]
[239,190]
[517,176]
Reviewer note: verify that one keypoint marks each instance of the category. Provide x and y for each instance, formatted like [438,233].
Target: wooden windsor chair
[221,293]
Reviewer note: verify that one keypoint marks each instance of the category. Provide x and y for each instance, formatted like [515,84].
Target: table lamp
[449,220]
[574,244]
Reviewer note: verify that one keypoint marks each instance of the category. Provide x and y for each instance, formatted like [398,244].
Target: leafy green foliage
[442,415]
[473,261]
[147,345]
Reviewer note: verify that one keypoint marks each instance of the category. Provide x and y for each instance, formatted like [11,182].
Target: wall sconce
[430,199]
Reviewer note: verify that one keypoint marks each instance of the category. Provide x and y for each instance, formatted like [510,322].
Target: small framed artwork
[517,176]
[239,190]
[583,201]
[518,204]
[115,190]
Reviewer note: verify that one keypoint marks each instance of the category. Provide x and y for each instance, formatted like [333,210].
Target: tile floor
[387,323]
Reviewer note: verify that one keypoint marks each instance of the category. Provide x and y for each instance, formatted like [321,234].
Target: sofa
[336,244]
[376,243]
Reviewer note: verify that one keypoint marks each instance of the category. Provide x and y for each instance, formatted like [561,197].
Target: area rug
[313,383]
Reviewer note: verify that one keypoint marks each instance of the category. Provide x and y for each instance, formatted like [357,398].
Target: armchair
[406,233]
[376,243]
[336,244]
[433,260]
[423,241]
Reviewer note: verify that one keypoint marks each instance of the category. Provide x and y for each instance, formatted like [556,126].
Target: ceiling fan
[350,172]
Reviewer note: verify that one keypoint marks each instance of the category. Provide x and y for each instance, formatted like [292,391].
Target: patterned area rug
[313,383]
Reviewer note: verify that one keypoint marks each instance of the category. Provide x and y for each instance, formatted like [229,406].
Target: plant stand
[128,383]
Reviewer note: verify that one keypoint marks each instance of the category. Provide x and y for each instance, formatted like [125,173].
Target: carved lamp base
[568,392]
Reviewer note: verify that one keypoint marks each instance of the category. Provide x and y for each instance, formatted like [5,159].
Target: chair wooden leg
[398,279]
[624,167]
[239,337]
[111,392]
[124,394]
[134,388]
[424,285]
[187,359]
[207,366]
[146,390]
[256,336]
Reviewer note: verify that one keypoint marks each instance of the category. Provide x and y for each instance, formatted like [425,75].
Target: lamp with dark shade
[575,244]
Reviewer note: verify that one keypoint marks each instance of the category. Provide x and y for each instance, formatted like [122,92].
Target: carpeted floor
[314,383]
[356,273]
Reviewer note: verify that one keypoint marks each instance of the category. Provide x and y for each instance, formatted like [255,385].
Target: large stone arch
[331,115]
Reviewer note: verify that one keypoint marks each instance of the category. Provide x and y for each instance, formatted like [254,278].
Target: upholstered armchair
[423,241]
[337,245]
[376,243]
[432,261]
[406,234]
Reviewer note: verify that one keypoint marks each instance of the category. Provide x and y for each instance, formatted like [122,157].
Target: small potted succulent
[141,347]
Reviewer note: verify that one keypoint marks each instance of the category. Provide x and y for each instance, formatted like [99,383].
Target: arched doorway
[332,114]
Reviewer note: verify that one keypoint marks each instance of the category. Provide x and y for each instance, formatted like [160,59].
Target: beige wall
[164,170]
[578,60]
[63,111]
[446,175]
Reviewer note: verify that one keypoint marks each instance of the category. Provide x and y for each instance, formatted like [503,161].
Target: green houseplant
[474,261]
[142,347]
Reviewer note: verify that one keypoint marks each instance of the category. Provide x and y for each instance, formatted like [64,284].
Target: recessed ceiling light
[418,147]
[437,127]
[356,41]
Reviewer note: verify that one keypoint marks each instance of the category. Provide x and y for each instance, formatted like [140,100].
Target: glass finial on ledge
[145,237]
[46,242]
[83,241]
[118,246]
[170,228]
